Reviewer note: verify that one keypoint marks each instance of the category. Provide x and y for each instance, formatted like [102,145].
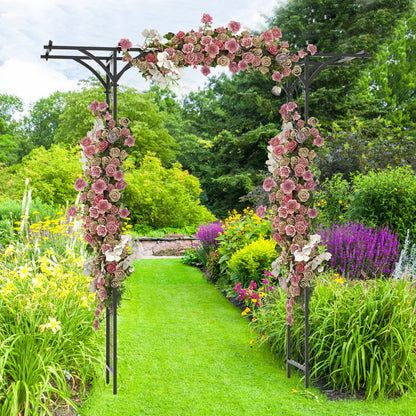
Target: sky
[27,25]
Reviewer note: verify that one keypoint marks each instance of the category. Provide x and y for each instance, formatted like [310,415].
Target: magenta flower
[103,206]
[287,186]
[80,184]
[268,184]
[99,187]
[125,44]
[118,175]
[313,212]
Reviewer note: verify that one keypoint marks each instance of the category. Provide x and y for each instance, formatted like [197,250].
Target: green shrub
[162,197]
[362,334]
[386,197]
[213,266]
[332,200]
[248,264]
[52,174]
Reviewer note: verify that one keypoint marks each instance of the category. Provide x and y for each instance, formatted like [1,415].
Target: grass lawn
[185,350]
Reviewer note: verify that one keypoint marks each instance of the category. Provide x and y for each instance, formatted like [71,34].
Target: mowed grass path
[185,350]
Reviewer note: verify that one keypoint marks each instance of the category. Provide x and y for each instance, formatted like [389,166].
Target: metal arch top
[312,68]
[105,57]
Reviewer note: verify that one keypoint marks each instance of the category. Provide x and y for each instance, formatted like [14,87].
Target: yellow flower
[245,311]
[340,201]
[339,280]
[294,391]
[53,324]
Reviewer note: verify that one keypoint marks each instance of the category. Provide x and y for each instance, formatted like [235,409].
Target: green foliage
[332,200]
[162,197]
[145,230]
[361,335]
[240,230]
[47,341]
[248,263]
[213,265]
[386,197]
[192,257]
[52,174]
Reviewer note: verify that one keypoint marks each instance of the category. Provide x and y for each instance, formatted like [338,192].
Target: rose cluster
[291,154]
[208,47]
[104,150]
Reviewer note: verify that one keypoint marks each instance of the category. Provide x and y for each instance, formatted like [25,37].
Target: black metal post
[107,345]
[306,337]
[114,340]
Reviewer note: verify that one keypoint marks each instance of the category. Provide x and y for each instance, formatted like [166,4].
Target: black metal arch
[112,75]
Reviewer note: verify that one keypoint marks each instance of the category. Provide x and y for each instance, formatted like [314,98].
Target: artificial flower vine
[290,154]
[104,150]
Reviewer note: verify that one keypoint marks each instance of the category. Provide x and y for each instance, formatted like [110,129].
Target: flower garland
[290,154]
[104,150]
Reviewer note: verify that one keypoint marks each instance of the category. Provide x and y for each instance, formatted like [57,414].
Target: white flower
[276,266]
[305,252]
[318,260]
[152,33]
[272,162]
[276,90]
[88,266]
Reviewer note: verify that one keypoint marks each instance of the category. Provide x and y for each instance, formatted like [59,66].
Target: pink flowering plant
[291,153]
[104,150]
[209,47]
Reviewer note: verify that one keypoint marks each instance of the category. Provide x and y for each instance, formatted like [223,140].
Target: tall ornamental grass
[48,348]
[207,235]
[361,252]
[362,334]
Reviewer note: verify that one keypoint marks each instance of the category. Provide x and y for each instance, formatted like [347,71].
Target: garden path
[185,350]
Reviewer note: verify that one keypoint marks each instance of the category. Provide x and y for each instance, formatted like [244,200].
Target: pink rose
[120,185]
[125,44]
[299,170]
[232,45]
[188,48]
[110,170]
[86,141]
[284,171]
[103,206]
[98,198]
[205,70]
[248,57]
[301,227]
[206,40]
[124,213]
[274,141]
[272,49]
[292,146]
[94,213]
[90,151]
[72,211]
[287,186]
[180,35]
[96,324]
[312,49]
[256,61]
[314,132]
[302,54]
[118,175]
[125,132]
[112,267]
[242,66]
[95,172]
[277,33]
[319,141]
[290,230]
[107,116]
[268,184]
[105,248]
[127,57]
[284,44]
[294,58]
[220,29]
[88,238]
[212,50]
[308,175]
[261,211]
[277,76]
[247,42]
[286,72]
[233,67]
[234,26]
[102,145]
[277,237]
[267,36]
[114,210]
[102,230]
[99,187]
[292,205]
[80,184]
[206,18]
[115,161]
[112,228]
[302,209]
[282,212]
[102,106]
[310,185]
[94,107]
[279,150]
[296,116]
[313,212]
[300,124]
[111,124]
[151,58]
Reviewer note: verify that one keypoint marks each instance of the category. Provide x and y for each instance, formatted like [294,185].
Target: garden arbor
[291,153]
